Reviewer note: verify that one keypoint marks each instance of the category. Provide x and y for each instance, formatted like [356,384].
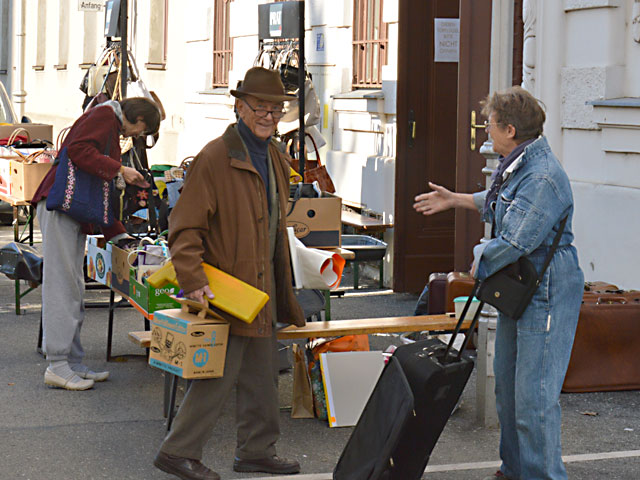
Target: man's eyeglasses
[262,113]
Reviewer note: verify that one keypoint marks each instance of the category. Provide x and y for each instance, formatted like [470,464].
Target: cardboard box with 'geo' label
[188,345]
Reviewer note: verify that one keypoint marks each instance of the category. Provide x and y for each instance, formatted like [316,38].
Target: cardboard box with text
[188,345]
[317,221]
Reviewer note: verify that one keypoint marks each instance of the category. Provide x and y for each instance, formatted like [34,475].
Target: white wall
[586,53]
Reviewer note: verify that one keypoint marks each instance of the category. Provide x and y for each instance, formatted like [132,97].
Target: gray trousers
[62,285]
[252,366]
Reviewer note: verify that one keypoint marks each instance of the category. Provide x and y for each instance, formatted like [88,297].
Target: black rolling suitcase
[436,375]
[389,408]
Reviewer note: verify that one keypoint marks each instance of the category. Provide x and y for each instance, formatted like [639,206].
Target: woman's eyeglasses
[488,125]
[262,113]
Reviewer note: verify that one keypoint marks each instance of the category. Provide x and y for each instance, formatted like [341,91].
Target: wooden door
[434,103]
[473,86]
[426,144]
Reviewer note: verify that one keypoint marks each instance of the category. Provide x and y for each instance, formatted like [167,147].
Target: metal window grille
[222,44]
[370,43]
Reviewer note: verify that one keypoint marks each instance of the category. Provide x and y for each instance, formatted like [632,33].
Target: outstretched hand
[439,200]
[201,295]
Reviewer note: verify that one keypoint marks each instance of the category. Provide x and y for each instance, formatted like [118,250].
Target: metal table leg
[356,274]
[327,305]
[18,238]
[112,296]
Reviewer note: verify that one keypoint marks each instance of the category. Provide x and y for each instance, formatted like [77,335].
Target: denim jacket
[533,200]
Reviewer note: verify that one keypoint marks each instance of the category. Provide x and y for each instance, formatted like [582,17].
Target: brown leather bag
[459,284]
[599,287]
[606,348]
[315,171]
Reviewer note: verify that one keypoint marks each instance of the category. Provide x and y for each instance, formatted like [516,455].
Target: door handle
[474,126]
[412,128]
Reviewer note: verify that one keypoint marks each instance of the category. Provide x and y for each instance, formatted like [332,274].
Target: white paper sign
[447,39]
[95,6]
[349,378]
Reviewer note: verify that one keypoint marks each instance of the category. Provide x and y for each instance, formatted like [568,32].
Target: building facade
[580,57]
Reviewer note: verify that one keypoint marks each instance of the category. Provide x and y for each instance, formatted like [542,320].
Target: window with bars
[370,42]
[222,44]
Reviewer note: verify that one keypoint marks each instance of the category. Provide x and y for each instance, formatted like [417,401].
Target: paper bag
[302,401]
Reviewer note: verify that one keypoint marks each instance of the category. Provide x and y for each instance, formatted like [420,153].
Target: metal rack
[283,22]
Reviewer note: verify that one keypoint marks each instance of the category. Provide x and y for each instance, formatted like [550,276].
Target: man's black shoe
[184,468]
[273,464]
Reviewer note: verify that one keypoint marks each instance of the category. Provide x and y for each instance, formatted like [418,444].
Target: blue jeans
[531,359]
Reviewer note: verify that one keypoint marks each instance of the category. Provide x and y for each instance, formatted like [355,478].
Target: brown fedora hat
[264,84]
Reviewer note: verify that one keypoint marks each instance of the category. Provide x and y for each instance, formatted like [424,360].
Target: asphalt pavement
[113,431]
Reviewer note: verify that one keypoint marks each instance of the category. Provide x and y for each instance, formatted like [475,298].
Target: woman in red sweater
[97,131]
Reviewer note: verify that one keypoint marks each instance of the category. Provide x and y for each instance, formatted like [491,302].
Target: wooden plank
[142,339]
[334,328]
[446,322]
[13,201]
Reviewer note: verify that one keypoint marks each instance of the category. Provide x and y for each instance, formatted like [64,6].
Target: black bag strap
[552,249]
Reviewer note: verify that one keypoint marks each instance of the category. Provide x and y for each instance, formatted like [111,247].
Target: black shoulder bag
[511,289]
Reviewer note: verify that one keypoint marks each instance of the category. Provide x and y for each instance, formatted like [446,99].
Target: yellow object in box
[232,296]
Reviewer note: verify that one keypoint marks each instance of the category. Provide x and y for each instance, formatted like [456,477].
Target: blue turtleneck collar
[257,152]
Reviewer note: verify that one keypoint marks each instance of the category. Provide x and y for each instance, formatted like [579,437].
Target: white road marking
[585,457]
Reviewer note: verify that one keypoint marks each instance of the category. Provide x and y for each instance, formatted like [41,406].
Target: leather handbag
[289,68]
[511,289]
[319,174]
[129,199]
[84,197]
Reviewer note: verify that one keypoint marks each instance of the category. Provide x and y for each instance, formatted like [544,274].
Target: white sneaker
[72,383]
[85,372]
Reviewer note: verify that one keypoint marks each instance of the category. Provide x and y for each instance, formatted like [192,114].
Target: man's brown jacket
[222,218]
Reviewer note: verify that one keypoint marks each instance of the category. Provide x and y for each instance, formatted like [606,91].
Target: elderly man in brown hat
[231,214]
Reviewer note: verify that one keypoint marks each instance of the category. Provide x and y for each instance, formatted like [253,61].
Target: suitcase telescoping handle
[472,327]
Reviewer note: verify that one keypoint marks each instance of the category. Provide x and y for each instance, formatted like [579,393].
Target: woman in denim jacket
[529,197]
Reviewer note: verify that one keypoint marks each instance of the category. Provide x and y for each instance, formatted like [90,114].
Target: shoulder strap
[553,248]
